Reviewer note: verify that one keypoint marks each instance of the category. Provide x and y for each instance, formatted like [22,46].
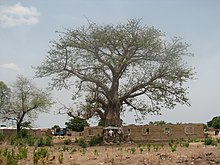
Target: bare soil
[125,154]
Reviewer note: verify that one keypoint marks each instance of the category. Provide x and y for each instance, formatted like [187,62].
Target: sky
[26,27]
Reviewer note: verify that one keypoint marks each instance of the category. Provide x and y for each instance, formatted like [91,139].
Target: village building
[151,133]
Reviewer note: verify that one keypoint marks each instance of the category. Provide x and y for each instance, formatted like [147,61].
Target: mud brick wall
[92,131]
[153,133]
[165,132]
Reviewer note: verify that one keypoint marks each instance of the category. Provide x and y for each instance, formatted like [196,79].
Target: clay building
[153,133]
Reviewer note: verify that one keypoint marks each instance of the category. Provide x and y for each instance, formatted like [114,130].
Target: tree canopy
[77,124]
[215,122]
[25,103]
[117,68]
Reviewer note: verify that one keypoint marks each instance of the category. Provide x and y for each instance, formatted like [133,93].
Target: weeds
[133,150]
[22,152]
[184,144]
[41,155]
[82,143]
[173,147]
[61,158]
[148,147]
[156,147]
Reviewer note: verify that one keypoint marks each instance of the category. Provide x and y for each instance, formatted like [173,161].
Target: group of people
[113,134]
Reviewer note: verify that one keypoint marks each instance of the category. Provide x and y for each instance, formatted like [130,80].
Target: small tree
[77,124]
[26,102]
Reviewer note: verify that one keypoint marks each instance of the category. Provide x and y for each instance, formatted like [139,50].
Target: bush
[95,141]
[40,154]
[82,143]
[208,141]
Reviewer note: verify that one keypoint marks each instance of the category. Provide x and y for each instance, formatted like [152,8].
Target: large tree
[26,102]
[119,67]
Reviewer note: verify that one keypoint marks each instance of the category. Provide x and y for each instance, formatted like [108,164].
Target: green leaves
[121,62]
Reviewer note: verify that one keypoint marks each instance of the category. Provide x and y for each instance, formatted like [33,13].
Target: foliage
[161,122]
[67,141]
[81,142]
[44,141]
[22,152]
[77,124]
[114,65]
[184,144]
[26,102]
[156,147]
[55,126]
[61,158]
[32,141]
[133,150]
[11,158]
[208,141]
[40,155]
[148,147]
[173,147]
[95,140]
[215,122]
[26,124]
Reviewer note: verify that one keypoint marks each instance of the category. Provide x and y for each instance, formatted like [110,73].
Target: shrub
[95,141]
[40,154]
[208,141]
[48,141]
[22,152]
[82,143]
[11,159]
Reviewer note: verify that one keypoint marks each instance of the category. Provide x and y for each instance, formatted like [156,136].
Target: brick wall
[144,133]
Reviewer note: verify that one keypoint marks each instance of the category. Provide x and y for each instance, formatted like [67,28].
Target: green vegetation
[215,122]
[23,102]
[76,124]
[95,141]
[61,158]
[208,141]
[133,150]
[104,58]
[32,141]
[148,147]
[40,155]
[184,144]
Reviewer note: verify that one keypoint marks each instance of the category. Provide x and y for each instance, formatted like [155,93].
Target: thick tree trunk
[112,117]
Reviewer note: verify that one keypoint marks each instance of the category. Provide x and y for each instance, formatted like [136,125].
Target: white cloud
[11,16]
[11,66]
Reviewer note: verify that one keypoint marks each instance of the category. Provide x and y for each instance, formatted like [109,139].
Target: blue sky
[26,27]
